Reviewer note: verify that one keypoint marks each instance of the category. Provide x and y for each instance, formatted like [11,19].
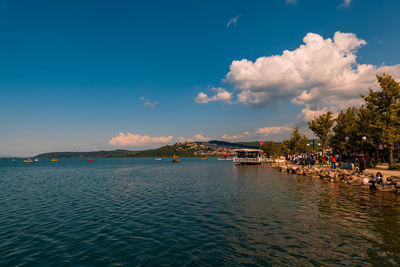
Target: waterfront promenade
[338,175]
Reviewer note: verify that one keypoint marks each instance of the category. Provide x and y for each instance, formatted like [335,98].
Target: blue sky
[75,74]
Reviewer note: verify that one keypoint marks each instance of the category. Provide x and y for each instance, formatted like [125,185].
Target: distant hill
[232,145]
[252,144]
[180,149]
[119,153]
[6,156]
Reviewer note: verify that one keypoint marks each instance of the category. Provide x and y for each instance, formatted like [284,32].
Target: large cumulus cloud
[320,74]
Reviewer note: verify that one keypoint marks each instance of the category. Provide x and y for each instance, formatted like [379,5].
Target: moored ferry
[247,156]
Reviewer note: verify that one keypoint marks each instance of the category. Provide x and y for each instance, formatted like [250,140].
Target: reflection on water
[140,211]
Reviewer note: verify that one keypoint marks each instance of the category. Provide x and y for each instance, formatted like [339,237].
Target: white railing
[246,160]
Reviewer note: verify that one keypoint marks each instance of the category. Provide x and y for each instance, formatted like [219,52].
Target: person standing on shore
[333,162]
[362,163]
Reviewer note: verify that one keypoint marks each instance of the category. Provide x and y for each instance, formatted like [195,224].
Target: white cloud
[275,133]
[201,138]
[307,114]
[280,133]
[233,21]
[202,98]
[346,3]
[185,140]
[244,135]
[291,2]
[265,131]
[130,139]
[147,102]
[321,73]
[221,95]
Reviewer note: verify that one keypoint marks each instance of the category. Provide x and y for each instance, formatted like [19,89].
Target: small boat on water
[203,158]
[36,159]
[90,159]
[158,159]
[175,159]
[54,159]
[28,161]
[225,158]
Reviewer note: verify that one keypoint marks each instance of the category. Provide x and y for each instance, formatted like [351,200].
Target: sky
[93,75]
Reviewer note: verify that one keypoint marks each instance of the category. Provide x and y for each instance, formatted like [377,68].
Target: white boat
[247,156]
[36,159]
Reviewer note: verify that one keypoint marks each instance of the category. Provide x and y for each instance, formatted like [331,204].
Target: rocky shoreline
[339,176]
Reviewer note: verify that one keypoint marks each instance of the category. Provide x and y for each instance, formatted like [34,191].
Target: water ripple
[141,212]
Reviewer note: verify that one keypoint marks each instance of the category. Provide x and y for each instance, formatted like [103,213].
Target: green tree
[284,147]
[345,130]
[364,120]
[271,149]
[384,108]
[297,142]
[321,126]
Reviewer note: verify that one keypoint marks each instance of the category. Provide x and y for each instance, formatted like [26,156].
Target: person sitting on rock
[378,178]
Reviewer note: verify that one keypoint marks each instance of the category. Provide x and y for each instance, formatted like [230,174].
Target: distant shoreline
[212,148]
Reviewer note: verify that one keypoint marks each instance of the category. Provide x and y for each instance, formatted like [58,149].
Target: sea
[142,212]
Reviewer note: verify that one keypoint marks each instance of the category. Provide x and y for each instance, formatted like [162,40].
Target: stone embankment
[391,183]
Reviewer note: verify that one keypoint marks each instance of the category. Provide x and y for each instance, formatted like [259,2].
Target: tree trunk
[391,155]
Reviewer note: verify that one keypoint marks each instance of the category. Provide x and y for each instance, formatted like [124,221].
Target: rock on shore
[392,183]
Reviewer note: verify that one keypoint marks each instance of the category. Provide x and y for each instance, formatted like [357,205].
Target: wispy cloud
[233,21]
[346,3]
[291,2]
[148,102]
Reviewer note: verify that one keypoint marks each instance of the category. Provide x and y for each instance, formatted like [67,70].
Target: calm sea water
[145,212]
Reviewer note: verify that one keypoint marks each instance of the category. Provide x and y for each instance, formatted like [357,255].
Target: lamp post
[362,144]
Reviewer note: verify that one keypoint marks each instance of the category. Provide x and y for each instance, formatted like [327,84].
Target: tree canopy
[296,144]
[321,126]
[384,109]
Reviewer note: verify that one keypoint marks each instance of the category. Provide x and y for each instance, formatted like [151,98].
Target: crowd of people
[357,161]
[331,158]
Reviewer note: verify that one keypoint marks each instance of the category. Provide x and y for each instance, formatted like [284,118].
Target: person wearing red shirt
[333,162]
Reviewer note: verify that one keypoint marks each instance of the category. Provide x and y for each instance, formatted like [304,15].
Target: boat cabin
[247,156]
